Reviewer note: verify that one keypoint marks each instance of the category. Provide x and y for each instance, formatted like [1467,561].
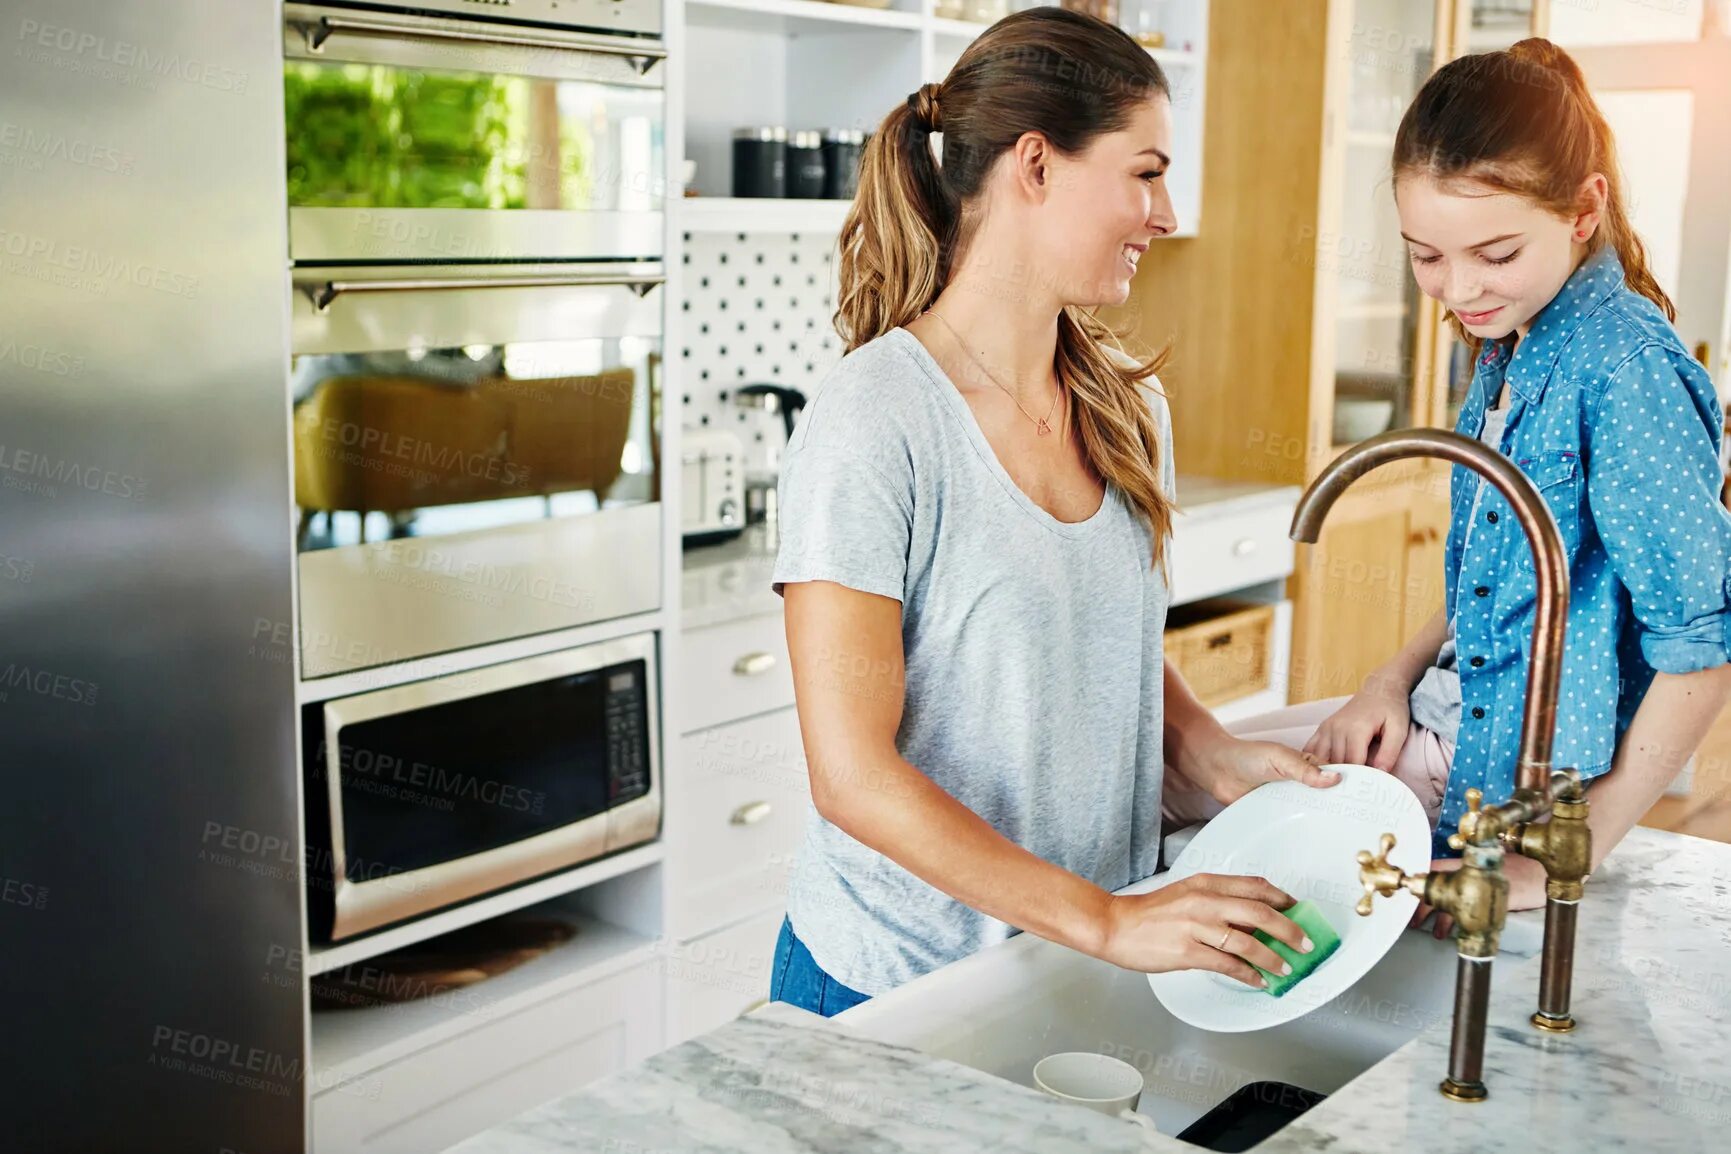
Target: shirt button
[1482,591]
[1491,517]
[1478,662]
[1477,713]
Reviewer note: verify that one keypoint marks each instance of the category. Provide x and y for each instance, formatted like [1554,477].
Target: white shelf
[323,959]
[957,29]
[348,1043]
[759,214]
[795,16]
[1363,138]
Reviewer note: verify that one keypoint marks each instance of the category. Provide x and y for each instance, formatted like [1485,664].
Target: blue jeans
[796,979]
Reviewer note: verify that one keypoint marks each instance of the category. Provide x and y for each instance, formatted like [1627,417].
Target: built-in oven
[476,455]
[424,795]
[476,234]
[474,130]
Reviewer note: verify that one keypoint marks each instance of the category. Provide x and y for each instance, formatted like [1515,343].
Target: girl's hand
[1374,717]
[1233,768]
[1526,890]
[1202,922]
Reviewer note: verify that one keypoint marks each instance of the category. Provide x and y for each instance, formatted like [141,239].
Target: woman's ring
[1223,938]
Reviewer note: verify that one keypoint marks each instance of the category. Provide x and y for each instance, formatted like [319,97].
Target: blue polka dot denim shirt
[1619,428]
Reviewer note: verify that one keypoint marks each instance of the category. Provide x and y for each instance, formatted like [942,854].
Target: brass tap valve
[1476,895]
[1564,844]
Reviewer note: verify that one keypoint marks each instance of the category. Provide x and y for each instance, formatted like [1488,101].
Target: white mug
[1098,1081]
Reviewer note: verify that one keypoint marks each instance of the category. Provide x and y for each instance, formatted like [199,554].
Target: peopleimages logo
[36,472]
[42,145]
[85,268]
[119,60]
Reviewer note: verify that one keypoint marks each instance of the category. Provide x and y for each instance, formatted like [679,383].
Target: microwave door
[444,790]
[411,139]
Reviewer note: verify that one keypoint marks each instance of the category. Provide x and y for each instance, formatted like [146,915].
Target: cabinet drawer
[1214,554]
[463,1085]
[716,978]
[732,671]
[742,798]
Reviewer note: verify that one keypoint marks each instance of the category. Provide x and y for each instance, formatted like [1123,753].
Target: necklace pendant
[1043,427]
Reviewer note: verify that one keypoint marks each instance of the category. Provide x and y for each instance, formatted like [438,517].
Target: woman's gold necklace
[1042,425]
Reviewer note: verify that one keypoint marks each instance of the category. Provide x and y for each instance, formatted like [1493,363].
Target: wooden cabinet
[1296,327]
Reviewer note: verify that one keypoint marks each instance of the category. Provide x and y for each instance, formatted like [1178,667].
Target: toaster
[712,462]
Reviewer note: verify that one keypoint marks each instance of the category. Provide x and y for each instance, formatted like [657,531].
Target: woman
[1506,182]
[974,514]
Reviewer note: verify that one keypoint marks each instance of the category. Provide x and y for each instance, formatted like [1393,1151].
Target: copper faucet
[1476,895]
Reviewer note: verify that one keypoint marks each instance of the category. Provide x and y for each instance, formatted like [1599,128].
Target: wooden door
[1369,584]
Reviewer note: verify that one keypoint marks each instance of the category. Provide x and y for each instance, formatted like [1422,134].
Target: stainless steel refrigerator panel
[150,837]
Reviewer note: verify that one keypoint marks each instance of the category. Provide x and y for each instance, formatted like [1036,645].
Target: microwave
[425,795]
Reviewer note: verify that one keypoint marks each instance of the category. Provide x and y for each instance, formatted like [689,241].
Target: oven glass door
[404,145]
[472,464]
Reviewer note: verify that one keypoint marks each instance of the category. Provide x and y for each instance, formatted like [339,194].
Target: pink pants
[1423,763]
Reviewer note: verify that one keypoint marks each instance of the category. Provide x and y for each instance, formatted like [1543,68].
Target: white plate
[1305,841]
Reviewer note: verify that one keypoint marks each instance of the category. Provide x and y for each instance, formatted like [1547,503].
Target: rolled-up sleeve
[1653,484]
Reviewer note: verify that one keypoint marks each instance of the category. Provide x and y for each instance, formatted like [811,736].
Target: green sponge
[1324,941]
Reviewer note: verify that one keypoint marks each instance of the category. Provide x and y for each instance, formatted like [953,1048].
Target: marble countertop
[1648,1069]
[730,581]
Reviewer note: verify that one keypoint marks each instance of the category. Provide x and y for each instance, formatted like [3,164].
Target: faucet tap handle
[1379,877]
[1475,798]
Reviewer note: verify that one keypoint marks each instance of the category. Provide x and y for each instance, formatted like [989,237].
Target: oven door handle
[643,54]
[323,292]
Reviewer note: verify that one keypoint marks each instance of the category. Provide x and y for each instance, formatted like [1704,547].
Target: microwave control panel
[627,734]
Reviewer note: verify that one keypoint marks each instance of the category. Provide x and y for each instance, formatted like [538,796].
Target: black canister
[842,149]
[760,162]
[805,165]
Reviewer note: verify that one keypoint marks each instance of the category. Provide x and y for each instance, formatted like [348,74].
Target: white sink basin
[1005,1008]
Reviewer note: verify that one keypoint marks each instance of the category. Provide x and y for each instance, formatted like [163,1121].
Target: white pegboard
[758,309]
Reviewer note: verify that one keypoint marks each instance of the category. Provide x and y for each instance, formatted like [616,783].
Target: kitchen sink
[1006,1007]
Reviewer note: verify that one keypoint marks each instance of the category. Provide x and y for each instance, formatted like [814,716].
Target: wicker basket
[1223,648]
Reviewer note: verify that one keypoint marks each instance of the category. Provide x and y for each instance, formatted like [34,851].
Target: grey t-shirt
[1034,667]
[1436,699]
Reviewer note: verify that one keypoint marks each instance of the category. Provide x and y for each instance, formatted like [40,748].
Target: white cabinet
[738,799]
[439,1094]
[744,796]
[733,670]
[714,979]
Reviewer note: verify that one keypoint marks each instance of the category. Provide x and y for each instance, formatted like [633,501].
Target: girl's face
[1492,258]
[1104,205]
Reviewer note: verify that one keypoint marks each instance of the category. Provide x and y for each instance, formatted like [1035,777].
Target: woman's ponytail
[899,234]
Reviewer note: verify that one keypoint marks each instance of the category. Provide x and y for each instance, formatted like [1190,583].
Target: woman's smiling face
[1107,204]
[1492,258]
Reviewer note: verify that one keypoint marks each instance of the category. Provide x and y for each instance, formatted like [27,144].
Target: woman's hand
[1202,922]
[1526,890]
[1231,768]
[1374,716]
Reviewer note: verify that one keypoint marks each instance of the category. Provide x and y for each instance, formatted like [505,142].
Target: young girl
[974,512]
[1505,177]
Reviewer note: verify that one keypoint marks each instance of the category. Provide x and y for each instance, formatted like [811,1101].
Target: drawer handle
[750,813]
[1245,547]
[754,663]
